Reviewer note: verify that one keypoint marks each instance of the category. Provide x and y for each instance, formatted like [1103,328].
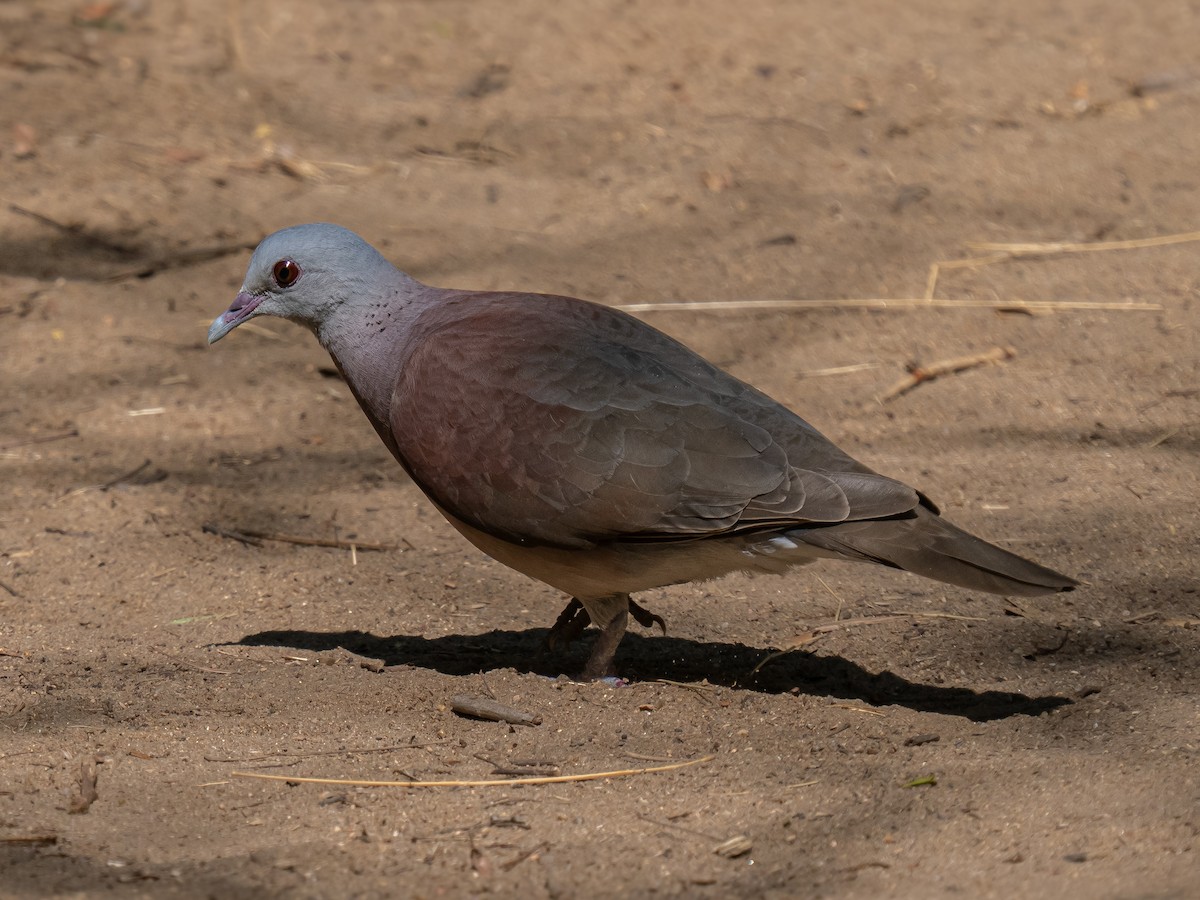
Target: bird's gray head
[304,273]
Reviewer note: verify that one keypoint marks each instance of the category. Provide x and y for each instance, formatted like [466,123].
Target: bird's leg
[574,618]
[600,662]
[645,618]
[569,626]
[610,614]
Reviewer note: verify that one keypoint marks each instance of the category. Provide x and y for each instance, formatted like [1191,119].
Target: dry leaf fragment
[95,12]
[182,154]
[24,140]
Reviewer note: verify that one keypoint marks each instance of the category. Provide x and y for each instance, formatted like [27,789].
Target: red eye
[286,272]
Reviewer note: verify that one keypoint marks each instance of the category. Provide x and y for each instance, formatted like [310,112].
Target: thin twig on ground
[806,638]
[811,636]
[694,831]
[40,439]
[492,711]
[297,756]
[113,482]
[76,230]
[697,689]
[520,858]
[1161,439]
[255,538]
[124,476]
[920,374]
[212,528]
[643,757]
[498,769]
[178,259]
[850,707]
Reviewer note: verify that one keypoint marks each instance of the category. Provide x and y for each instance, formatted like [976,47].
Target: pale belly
[627,568]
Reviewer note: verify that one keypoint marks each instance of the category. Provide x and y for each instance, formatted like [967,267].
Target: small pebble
[918,739]
[738,845]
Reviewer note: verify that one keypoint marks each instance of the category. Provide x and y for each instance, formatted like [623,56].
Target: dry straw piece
[894,303]
[492,782]
[996,253]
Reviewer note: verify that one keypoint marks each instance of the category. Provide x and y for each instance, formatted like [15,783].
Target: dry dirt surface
[916,740]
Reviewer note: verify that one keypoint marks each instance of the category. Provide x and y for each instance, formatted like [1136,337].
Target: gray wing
[546,420]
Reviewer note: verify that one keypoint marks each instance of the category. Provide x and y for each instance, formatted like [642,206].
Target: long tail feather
[928,545]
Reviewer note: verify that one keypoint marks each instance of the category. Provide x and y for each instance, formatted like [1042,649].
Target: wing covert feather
[546,420]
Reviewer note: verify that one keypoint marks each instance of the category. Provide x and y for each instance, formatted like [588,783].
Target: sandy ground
[953,745]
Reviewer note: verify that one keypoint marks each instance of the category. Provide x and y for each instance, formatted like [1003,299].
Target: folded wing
[546,420]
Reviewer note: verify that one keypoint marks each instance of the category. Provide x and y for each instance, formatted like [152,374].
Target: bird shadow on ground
[71,251]
[676,659]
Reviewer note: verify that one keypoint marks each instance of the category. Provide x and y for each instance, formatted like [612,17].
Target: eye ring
[285,272]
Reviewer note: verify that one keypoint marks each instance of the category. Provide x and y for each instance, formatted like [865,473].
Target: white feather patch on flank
[773,545]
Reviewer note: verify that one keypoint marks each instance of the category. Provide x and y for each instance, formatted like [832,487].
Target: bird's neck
[367,343]
[372,397]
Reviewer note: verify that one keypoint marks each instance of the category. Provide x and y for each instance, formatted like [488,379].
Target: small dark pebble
[1076,857]
[783,240]
[918,739]
[909,194]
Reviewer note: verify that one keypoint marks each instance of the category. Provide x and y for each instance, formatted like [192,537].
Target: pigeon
[591,451]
